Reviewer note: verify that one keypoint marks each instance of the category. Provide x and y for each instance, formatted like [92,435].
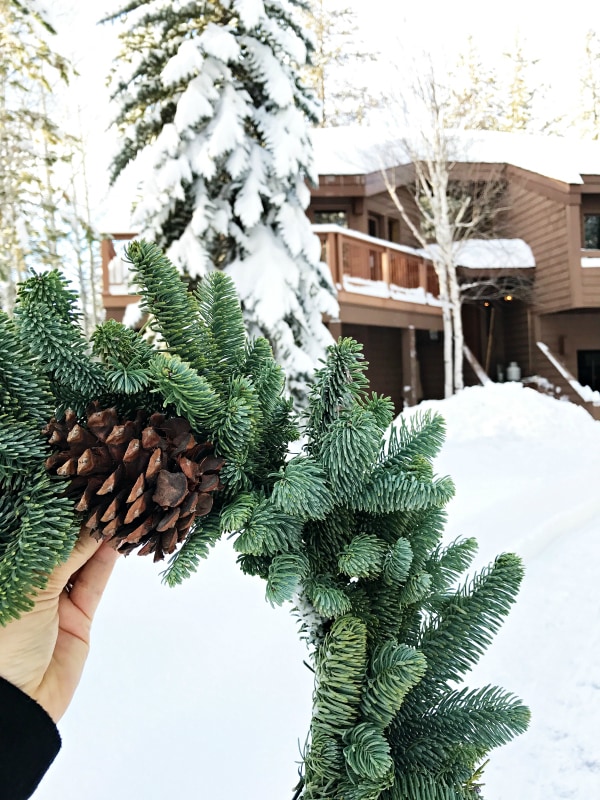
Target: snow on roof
[490,254]
[357,150]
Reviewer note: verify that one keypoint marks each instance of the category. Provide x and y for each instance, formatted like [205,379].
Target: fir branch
[239,421]
[448,563]
[20,448]
[485,718]
[236,514]
[195,548]
[328,596]
[382,409]
[338,385]
[223,326]
[349,449]
[50,290]
[47,329]
[422,436]
[269,532]
[301,490]
[341,668]
[363,556]
[398,562]
[450,738]
[190,394]
[392,490]
[114,342]
[24,394]
[415,786]
[175,313]
[456,637]
[368,753]
[37,532]
[285,574]
[394,670]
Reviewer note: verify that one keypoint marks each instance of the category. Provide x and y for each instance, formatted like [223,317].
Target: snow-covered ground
[200,691]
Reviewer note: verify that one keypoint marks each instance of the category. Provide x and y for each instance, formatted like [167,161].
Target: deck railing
[356,255]
[347,253]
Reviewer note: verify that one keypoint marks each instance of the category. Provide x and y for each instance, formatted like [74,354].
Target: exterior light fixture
[508,297]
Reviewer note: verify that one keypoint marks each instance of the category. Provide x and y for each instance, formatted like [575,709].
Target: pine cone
[140,483]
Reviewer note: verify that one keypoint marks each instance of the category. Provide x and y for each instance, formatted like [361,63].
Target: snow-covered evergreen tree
[211,100]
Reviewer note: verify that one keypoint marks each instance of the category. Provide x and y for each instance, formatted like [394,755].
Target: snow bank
[527,469]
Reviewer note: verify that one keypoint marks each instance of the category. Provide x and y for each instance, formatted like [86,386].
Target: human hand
[43,652]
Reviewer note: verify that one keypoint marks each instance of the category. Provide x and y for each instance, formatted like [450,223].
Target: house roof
[357,150]
[490,254]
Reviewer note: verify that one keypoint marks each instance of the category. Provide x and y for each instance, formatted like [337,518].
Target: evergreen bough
[349,530]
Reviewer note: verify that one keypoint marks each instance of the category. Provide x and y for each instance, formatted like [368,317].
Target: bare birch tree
[450,207]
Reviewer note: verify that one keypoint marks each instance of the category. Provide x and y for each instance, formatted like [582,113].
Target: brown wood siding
[590,282]
[542,223]
[565,334]
[383,350]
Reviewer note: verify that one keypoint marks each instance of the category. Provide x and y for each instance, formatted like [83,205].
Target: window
[374,225]
[591,231]
[331,218]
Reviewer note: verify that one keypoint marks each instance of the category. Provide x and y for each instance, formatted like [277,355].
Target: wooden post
[331,256]
[423,275]
[490,342]
[340,258]
[410,366]
[385,266]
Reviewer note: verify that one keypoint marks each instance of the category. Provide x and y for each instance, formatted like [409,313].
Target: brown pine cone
[139,483]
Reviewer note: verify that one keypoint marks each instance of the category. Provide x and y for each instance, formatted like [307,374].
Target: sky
[201,691]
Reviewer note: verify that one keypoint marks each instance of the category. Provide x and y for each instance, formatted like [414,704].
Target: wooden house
[542,311]
[542,314]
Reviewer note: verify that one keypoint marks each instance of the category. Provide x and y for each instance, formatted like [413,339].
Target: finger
[84,549]
[92,578]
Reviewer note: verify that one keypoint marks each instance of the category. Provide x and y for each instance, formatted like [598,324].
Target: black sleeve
[29,742]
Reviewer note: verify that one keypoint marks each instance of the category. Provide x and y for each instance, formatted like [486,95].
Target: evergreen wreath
[165,448]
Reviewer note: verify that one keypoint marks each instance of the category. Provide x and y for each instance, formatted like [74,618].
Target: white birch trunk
[448,331]
[457,329]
